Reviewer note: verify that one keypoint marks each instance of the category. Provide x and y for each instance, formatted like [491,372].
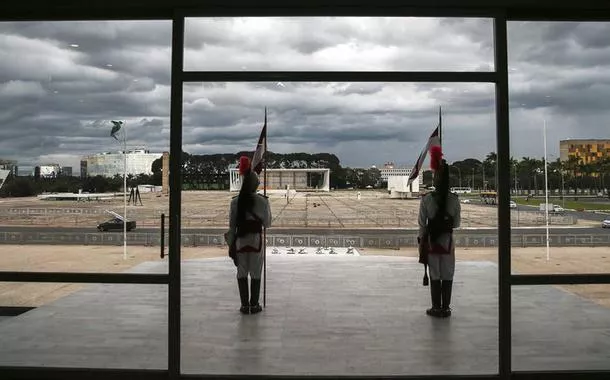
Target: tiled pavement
[325,315]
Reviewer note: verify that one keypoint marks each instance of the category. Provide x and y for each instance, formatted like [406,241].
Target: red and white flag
[261,147]
[434,140]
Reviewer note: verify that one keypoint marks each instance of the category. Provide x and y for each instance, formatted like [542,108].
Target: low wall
[470,239]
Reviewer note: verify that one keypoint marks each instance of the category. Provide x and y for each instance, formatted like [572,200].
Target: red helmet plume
[436,156]
[244,165]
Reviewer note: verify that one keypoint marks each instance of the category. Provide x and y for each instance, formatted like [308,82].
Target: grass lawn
[569,204]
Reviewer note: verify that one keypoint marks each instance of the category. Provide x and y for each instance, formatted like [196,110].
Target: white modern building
[48,170]
[282,179]
[110,164]
[398,188]
[389,170]
[397,179]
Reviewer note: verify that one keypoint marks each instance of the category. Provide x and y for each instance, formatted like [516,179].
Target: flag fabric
[258,157]
[434,140]
[116,127]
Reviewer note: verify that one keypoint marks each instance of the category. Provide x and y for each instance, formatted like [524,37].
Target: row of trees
[212,172]
[202,172]
[29,186]
[527,174]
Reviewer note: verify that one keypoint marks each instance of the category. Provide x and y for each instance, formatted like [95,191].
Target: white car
[513,204]
[606,223]
[465,200]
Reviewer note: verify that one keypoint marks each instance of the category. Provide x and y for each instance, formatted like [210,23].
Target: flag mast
[546,195]
[124,192]
[116,127]
[440,126]
[265,228]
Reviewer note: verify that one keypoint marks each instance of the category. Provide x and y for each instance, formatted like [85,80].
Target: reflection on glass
[565,92]
[62,165]
[575,339]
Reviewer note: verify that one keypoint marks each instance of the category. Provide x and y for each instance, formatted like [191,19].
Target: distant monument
[165,173]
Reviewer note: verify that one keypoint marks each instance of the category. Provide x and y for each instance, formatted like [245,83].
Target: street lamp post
[120,126]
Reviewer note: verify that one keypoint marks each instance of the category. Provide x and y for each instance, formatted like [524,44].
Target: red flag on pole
[259,153]
[434,140]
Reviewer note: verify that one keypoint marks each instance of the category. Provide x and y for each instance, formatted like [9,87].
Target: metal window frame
[85,278]
[499,15]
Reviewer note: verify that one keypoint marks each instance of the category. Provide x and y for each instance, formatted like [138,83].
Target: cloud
[62,82]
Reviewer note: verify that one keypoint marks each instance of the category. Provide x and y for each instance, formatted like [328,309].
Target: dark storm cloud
[62,83]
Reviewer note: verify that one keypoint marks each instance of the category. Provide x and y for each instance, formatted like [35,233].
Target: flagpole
[265,229]
[124,191]
[546,196]
[440,126]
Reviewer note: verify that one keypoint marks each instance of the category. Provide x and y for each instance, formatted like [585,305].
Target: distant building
[47,171]
[398,187]
[282,179]
[585,150]
[83,168]
[389,169]
[9,165]
[66,171]
[110,164]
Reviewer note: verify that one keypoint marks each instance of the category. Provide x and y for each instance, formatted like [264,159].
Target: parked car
[116,224]
[513,204]
[465,200]
[606,223]
[553,209]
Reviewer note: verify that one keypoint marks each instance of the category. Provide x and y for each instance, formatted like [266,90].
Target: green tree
[18,187]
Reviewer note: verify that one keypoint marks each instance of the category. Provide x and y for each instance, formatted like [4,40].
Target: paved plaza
[336,209]
[325,315]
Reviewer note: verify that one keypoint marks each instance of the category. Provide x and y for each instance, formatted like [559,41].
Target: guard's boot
[446,287]
[242,283]
[255,307]
[435,295]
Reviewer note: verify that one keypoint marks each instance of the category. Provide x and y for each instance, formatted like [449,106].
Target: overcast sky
[61,84]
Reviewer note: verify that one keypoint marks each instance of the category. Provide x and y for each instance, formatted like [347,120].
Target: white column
[326,184]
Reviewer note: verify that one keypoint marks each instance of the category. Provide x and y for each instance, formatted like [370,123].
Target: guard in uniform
[439,215]
[249,213]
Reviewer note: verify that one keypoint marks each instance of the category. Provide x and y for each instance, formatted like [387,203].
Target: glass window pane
[113,326]
[62,84]
[338,43]
[344,289]
[574,339]
[558,86]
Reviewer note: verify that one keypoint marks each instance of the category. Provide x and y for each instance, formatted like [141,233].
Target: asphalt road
[579,214]
[320,231]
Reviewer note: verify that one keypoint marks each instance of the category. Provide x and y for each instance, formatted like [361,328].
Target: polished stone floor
[325,315]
